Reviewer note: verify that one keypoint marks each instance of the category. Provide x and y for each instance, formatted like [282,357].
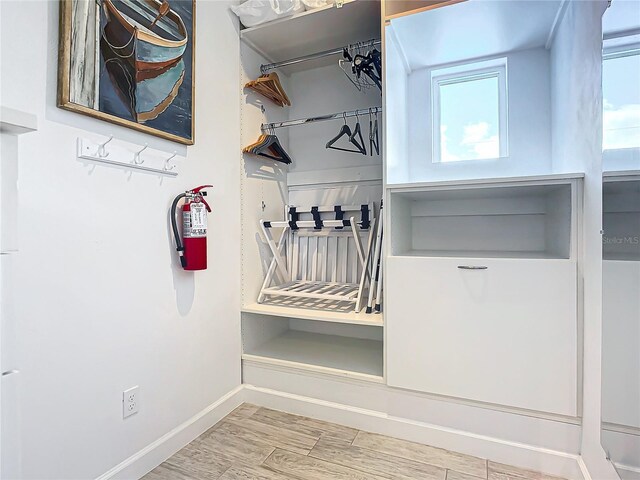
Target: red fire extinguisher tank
[192,248]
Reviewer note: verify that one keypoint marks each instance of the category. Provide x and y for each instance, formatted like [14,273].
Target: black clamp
[339,214]
[316,218]
[364,217]
[293,218]
[267,224]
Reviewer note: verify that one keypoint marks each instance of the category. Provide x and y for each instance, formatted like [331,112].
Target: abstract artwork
[130,62]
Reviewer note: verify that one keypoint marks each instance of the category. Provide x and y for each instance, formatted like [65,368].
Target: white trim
[562,8]
[157,452]
[261,361]
[398,44]
[481,182]
[16,122]
[630,473]
[359,380]
[525,456]
[583,469]
[469,72]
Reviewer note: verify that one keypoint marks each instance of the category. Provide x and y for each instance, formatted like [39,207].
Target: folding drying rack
[321,255]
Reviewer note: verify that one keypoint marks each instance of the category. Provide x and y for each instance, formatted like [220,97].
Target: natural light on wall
[469,112]
[621,99]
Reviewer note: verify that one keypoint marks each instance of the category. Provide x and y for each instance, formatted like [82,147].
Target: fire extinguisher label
[195,221]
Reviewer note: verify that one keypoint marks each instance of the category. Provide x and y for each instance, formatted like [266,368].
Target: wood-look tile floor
[254,443]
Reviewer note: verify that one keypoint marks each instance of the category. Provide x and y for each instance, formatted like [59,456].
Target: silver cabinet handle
[10,372]
[472,267]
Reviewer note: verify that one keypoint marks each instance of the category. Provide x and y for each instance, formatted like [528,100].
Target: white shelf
[331,354]
[315,31]
[489,182]
[537,255]
[17,122]
[339,315]
[504,220]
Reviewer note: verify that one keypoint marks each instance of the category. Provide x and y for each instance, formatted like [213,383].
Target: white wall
[576,92]
[98,298]
[528,86]
[396,114]
[322,91]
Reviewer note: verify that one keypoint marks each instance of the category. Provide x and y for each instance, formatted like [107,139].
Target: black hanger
[374,140]
[271,148]
[370,65]
[345,130]
[357,131]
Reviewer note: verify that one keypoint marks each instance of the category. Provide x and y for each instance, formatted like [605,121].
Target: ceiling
[474,29]
[621,16]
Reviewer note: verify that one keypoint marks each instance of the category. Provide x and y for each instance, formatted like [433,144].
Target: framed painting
[130,62]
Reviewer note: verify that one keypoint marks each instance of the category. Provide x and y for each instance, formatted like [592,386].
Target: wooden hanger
[268,146]
[269,86]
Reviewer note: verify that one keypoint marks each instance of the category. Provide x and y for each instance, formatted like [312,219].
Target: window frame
[619,47]
[468,73]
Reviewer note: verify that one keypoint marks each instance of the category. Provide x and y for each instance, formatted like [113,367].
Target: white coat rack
[130,156]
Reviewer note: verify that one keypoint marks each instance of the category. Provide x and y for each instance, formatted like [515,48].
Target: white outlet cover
[130,401]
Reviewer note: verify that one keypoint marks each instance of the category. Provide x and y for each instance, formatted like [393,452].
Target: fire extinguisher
[192,247]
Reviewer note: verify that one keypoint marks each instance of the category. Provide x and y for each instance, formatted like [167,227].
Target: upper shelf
[314,31]
[16,122]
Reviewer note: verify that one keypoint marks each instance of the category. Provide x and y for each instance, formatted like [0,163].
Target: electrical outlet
[130,401]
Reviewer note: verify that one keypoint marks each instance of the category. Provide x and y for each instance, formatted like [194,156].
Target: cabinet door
[620,338]
[506,335]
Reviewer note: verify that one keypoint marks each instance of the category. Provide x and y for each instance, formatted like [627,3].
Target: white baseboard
[552,462]
[157,452]
[627,472]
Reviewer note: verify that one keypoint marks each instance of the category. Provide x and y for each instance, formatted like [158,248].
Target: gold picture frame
[147,82]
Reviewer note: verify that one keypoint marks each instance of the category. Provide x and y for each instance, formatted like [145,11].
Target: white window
[621,98]
[469,107]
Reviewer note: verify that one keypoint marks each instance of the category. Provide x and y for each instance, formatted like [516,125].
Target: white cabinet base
[505,335]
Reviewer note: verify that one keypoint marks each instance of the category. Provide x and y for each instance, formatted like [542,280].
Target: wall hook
[136,157]
[168,167]
[102,153]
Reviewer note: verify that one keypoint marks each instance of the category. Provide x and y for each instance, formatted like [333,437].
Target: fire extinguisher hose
[176,233]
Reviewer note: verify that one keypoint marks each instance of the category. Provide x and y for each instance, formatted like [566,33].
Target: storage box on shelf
[482,277]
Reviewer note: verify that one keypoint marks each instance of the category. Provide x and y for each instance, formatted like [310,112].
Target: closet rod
[314,56]
[333,116]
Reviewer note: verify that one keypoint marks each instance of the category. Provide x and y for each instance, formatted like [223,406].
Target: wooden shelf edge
[312,368]
[371,319]
[394,16]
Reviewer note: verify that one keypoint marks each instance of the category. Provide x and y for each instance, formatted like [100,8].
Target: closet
[309,227]
[487,191]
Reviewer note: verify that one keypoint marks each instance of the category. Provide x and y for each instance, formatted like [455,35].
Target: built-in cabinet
[485,248]
[482,281]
